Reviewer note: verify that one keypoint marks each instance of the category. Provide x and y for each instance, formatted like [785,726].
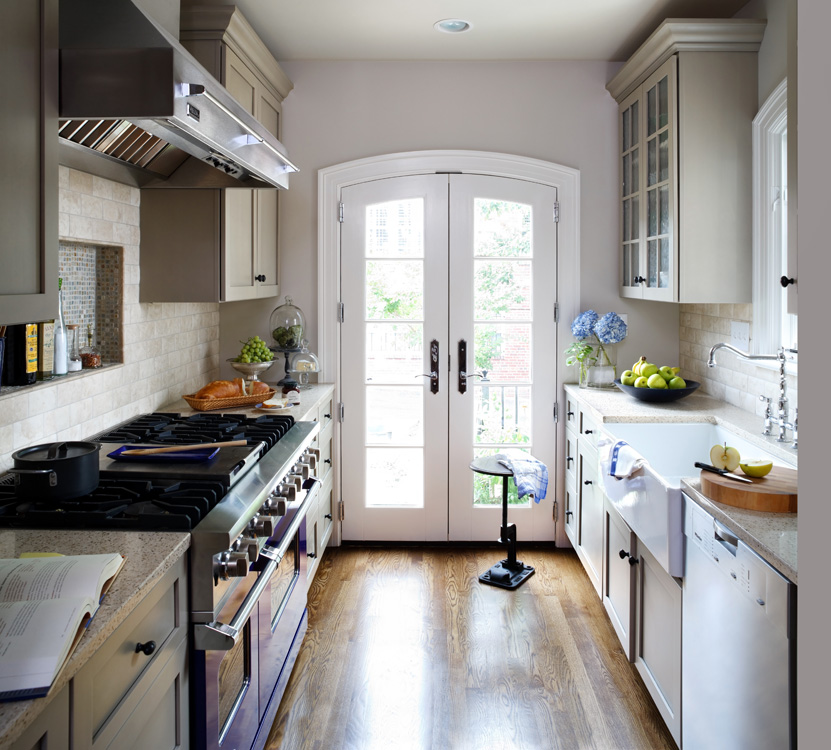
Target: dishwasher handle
[725,537]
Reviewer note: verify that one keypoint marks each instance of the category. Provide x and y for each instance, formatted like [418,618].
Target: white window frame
[770,225]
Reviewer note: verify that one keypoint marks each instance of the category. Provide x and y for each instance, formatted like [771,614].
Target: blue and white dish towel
[530,474]
[624,460]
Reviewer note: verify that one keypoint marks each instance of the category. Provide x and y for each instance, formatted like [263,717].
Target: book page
[36,578]
[35,639]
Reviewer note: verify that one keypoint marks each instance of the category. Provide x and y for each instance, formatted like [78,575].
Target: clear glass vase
[601,369]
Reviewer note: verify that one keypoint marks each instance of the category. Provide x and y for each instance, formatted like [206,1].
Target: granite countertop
[773,536]
[149,556]
[309,398]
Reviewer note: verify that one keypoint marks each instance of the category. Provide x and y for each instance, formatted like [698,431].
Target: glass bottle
[90,356]
[60,348]
[74,361]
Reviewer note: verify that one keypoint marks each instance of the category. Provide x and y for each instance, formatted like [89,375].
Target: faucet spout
[711,359]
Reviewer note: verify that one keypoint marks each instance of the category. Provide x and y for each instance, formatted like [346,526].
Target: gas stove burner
[118,504]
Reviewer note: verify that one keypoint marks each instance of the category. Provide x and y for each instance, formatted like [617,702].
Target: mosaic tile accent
[93,282]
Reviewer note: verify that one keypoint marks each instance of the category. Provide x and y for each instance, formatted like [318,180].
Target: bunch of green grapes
[254,350]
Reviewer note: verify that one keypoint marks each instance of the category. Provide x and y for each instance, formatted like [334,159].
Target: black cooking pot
[56,471]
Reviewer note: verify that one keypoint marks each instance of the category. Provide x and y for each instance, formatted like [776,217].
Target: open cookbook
[46,604]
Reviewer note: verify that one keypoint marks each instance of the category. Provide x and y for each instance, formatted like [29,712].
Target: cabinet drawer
[571,459]
[572,412]
[327,512]
[326,411]
[324,445]
[589,431]
[107,678]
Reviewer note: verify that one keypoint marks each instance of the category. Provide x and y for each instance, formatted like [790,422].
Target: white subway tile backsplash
[169,349]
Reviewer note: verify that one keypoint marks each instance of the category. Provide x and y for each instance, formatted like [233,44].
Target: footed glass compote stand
[509,573]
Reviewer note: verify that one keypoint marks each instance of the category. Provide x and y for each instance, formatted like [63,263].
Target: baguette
[231,388]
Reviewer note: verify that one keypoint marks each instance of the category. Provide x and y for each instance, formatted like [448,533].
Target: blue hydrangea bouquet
[593,350]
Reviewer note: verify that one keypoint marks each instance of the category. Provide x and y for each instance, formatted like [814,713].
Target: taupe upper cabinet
[29,192]
[231,251]
[686,100]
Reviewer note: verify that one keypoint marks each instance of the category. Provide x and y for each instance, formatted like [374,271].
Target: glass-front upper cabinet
[648,188]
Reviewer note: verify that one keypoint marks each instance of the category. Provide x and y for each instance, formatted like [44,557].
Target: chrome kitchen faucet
[781,418]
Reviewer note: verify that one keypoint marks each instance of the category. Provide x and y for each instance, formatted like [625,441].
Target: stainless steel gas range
[246,512]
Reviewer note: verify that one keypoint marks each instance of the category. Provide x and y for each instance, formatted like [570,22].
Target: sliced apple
[725,457]
[756,467]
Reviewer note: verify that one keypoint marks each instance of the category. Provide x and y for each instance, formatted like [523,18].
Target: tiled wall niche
[93,288]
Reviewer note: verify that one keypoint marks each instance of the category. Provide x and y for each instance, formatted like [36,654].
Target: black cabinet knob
[588,481]
[261,277]
[638,280]
[569,414]
[328,416]
[569,512]
[623,554]
[329,516]
[311,555]
[633,561]
[146,648]
[569,459]
[327,461]
[587,432]
[785,281]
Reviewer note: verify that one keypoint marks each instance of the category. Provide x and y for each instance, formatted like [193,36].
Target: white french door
[448,353]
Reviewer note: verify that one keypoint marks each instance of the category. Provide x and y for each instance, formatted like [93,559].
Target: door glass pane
[636,217]
[635,167]
[664,278]
[635,131]
[627,166]
[502,414]
[651,111]
[652,262]
[395,477]
[627,207]
[487,490]
[502,290]
[503,351]
[394,415]
[651,162]
[501,229]
[627,274]
[395,229]
[625,129]
[663,193]
[635,261]
[663,103]
[394,352]
[652,213]
[663,156]
[395,289]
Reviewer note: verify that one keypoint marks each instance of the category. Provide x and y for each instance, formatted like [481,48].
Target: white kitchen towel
[624,460]
[530,474]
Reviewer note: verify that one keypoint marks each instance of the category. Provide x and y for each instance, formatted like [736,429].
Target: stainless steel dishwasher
[738,683]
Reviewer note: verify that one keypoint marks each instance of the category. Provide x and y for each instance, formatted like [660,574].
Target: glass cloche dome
[288,324]
[303,363]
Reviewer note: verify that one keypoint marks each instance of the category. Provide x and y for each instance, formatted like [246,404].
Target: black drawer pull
[569,512]
[311,555]
[328,416]
[569,414]
[588,481]
[260,277]
[146,648]
[623,554]
[327,461]
[569,458]
[329,516]
[633,561]
[587,432]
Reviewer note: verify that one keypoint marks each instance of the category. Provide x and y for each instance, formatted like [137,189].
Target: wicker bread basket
[209,404]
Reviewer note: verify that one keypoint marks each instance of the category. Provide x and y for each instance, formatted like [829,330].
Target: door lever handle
[434,367]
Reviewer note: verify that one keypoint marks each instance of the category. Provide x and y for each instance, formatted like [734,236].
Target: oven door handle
[216,636]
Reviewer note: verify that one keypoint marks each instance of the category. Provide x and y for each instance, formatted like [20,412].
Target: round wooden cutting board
[775,493]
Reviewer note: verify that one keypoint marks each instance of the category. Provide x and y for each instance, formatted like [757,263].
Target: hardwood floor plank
[407,649]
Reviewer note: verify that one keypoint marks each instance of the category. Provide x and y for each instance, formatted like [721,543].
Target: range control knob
[231,565]
[296,479]
[275,505]
[252,549]
[301,469]
[285,490]
[261,526]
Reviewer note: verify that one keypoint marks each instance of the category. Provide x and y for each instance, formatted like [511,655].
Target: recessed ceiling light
[452,26]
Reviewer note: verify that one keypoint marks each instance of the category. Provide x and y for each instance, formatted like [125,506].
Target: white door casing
[332,181]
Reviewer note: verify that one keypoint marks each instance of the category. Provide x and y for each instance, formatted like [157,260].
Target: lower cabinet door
[159,720]
[620,562]
[50,731]
[591,518]
[658,638]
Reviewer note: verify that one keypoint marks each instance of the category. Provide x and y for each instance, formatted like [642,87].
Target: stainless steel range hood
[135,105]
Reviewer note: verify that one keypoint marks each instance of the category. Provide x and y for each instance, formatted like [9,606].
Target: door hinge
[555,412]
[341,513]
[556,312]
[341,312]
[556,212]
[340,411]
[554,511]
[340,212]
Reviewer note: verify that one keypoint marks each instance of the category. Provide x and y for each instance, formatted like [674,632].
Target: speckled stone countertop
[149,556]
[309,399]
[773,536]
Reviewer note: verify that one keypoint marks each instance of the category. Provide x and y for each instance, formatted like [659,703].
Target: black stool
[510,573]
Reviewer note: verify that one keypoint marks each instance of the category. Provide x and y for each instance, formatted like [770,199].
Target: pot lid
[56,451]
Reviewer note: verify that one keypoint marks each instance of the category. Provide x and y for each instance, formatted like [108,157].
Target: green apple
[640,382]
[655,380]
[756,467]
[628,377]
[677,382]
[648,369]
[666,373]
[725,457]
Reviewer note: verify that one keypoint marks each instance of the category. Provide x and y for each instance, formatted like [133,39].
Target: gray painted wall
[556,111]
